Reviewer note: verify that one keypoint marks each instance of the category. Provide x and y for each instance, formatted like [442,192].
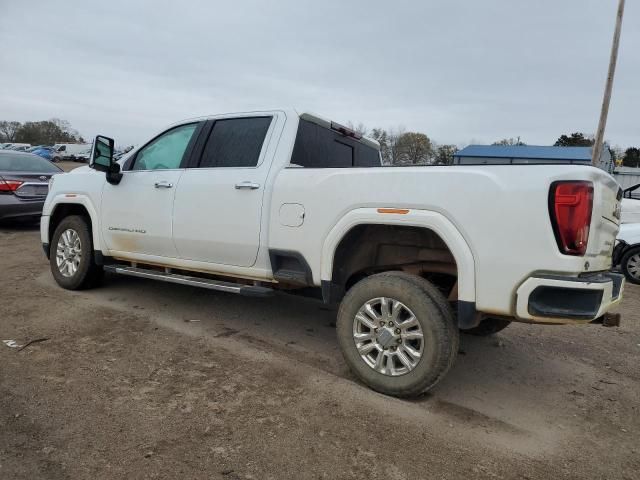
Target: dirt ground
[140,379]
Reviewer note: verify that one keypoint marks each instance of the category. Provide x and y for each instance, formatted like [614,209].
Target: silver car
[24,184]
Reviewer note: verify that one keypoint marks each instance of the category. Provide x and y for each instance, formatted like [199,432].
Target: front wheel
[397,333]
[71,257]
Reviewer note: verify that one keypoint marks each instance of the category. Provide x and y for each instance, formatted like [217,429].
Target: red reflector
[570,206]
[9,185]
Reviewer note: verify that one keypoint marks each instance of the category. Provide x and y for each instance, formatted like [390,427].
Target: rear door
[137,213]
[218,204]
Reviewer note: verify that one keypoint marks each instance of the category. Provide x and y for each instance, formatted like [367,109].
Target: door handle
[163,184]
[247,185]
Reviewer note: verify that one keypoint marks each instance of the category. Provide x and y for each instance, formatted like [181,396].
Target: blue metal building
[531,154]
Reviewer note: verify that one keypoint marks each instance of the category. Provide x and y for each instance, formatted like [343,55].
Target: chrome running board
[229,287]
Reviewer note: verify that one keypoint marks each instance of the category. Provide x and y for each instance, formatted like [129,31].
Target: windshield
[26,163]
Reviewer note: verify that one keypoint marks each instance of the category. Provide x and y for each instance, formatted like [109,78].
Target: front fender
[71,199]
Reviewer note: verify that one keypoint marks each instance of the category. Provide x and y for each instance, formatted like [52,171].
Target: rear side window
[320,147]
[235,142]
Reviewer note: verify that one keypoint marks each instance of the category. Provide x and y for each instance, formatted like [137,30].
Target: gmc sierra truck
[256,202]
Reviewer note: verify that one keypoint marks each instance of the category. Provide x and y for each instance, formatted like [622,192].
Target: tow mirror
[102,154]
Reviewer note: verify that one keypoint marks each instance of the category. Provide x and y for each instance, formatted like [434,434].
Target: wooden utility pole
[604,112]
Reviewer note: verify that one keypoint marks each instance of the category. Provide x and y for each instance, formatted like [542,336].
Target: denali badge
[128,230]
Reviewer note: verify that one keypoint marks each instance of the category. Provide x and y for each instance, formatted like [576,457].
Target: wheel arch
[428,222]
[75,206]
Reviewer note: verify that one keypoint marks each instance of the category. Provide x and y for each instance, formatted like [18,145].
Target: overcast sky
[461,71]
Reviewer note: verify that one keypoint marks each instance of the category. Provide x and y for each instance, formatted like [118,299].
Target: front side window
[166,151]
[235,142]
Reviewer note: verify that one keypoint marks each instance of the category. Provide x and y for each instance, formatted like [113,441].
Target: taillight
[570,206]
[9,186]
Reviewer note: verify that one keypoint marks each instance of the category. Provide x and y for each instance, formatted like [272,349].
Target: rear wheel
[71,257]
[397,333]
[630,265]
[488,326]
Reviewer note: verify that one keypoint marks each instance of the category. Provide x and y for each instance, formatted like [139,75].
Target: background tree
[444,154]
[47,132]
[413,148]
[576,139]
[631,157]
[388,140]
[509,142]
[8,130]
[360,129]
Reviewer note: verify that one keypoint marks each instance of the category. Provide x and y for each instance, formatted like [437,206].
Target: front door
[218,205]
[137,213]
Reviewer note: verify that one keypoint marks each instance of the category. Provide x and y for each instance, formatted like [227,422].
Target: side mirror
[102,154]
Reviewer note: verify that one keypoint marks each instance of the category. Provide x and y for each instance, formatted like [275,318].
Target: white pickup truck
[256,202]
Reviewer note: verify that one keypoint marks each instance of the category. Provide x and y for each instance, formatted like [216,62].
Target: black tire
[88,274]
[488,326]
[632,274]
[436,319]
[56,159]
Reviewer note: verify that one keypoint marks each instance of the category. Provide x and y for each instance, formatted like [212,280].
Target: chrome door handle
[247,185]
[163,184]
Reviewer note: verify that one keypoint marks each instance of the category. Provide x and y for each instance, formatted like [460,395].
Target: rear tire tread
[448,333]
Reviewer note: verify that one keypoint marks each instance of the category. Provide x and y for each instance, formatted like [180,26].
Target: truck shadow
[512,380]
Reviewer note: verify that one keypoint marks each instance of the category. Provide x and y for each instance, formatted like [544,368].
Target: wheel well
[64,210]
[369,249]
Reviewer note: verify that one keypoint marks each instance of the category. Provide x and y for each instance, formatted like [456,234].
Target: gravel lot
[147,380]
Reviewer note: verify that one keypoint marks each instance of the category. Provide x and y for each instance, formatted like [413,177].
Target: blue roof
[526,151]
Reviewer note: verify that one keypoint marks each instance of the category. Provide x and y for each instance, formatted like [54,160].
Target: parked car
[252,203]
[24,184]
[5,145]
[44,152]
[20,147]
[36,147]
[626,254]
[68,151]
[631,205]
[82,156]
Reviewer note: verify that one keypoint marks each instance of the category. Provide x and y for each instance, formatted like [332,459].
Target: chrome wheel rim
[68,253]
[633,266]
[388,336]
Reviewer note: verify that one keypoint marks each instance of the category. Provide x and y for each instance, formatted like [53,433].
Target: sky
[461,71]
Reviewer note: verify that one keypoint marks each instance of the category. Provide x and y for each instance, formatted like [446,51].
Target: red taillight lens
[570,206]
[9,186]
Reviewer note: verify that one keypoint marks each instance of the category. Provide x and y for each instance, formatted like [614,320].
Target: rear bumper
[12,206]
[558,299]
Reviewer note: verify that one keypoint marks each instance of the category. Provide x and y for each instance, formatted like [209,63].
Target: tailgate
[605,220]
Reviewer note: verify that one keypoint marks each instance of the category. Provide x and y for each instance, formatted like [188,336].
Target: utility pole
[597,146]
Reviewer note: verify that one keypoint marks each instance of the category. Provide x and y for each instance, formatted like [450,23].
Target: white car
[631,205]
[251,203]
[19,147]
[627,252]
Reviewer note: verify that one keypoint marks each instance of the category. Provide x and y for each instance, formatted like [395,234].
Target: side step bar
[230,287]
